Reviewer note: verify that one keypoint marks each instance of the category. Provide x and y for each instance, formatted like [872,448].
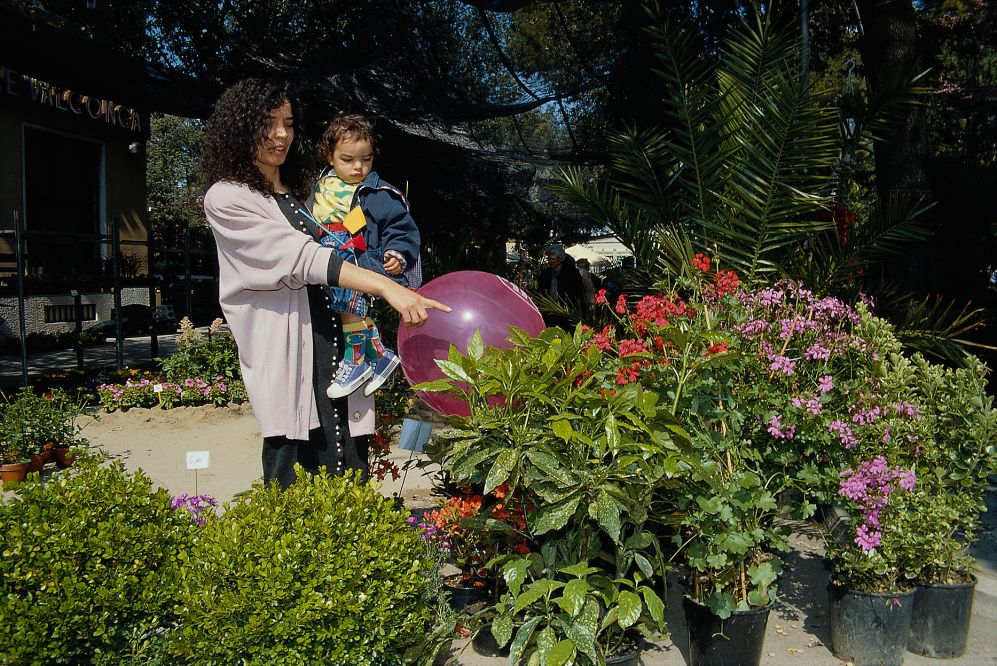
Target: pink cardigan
[264,265]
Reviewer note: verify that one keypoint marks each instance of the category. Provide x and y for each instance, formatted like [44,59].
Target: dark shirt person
[561,281]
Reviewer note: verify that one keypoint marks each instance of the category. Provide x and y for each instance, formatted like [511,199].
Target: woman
[270,270]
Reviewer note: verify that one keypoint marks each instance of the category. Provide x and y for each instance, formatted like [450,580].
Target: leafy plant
[582,454]
[954,464]
[325,571]
[91,563]
[575,614]
[197,357]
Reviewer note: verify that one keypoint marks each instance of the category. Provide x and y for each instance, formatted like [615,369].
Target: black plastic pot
[631,658]
[462,596]
[484,643]
[736,641]
[939,625]
[870,629]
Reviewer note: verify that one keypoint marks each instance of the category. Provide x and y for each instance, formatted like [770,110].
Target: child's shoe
[383,368]
[349,377]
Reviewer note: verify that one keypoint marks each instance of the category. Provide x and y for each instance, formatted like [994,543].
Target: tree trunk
[891,52]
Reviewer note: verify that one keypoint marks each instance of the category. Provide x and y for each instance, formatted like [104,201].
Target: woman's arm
[411,306]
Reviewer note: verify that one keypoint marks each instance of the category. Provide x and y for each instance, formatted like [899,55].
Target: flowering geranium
[465,527]
[778,387]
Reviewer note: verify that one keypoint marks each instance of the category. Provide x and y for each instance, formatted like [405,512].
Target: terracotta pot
[13,472]
[37,462]
[61,456]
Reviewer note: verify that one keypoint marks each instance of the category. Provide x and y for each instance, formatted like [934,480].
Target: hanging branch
[502,56]
[567,125]
[522,139]
[574,46]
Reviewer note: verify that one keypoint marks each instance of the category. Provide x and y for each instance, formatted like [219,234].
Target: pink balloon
[480,301]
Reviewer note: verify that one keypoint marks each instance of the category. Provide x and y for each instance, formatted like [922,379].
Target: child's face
[352,159]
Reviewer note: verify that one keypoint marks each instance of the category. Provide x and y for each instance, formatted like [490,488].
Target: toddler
[368,223]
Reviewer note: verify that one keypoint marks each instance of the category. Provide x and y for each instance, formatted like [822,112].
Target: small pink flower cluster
[870,486]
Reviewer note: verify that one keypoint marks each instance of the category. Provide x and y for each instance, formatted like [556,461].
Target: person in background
[256,172]
[367,221]
[560,281]
[588,283]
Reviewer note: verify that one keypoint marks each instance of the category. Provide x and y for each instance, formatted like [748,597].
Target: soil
[157,441]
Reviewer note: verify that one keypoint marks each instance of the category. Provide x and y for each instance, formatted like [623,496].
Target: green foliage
[586,461]
[30,420]
[954,463]
[90,567]
[577,614]
[743,167]
[325,572]
[197,357]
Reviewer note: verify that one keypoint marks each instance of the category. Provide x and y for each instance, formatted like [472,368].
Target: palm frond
[938,328]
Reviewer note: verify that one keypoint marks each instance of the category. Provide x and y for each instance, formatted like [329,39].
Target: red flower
[600,297]
[630,347]
[702,262]
[621,304]
[716,349]
[628,374]
[603,340]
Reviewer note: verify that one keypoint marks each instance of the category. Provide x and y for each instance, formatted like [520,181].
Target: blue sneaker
[349,377]
[383,368]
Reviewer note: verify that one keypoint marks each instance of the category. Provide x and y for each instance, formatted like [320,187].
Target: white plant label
[197,459]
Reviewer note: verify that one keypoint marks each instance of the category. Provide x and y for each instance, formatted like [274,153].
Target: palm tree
[746,167]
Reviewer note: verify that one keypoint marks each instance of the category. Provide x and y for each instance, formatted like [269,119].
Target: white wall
[34,310]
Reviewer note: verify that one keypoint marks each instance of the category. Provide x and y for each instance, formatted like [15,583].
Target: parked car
[136,320]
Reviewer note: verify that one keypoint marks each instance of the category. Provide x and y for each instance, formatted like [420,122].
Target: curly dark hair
[352,125]
[238,123]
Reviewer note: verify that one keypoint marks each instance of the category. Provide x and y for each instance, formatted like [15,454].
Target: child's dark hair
[346,125]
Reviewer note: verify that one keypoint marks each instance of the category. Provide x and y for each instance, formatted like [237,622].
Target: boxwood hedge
[90,566]
[326,572]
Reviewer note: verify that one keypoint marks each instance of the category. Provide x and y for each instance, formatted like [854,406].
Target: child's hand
[392,266]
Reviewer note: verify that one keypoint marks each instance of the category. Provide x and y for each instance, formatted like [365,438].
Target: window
[62,177]
[62,313]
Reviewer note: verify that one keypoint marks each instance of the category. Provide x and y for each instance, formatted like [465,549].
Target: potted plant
[577,613]
[683,341]
[583,455]
[871,591]
[25,418]
[13,461]
[464,528]
[957,456]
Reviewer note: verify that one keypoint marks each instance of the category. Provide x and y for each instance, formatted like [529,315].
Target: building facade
[72,167]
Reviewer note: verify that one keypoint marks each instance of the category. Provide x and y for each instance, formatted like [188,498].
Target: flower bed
[149,391]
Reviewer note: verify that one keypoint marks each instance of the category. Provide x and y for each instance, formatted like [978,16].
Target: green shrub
[323,573]
[197,356]
[90,566]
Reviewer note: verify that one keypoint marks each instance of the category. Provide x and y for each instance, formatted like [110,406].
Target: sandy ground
[157,442]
